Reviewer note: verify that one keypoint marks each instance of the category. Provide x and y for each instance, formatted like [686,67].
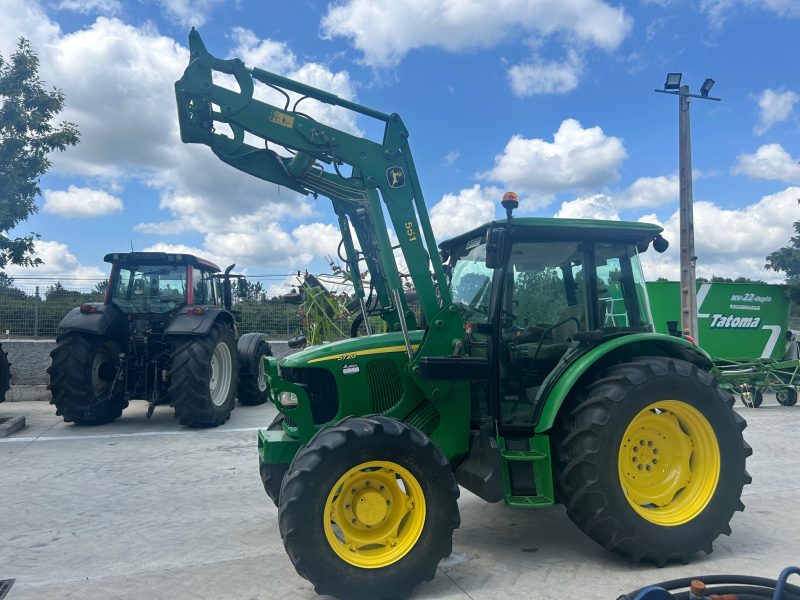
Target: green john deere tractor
[534,375]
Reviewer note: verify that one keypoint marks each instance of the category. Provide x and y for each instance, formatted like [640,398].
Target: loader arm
[382,174]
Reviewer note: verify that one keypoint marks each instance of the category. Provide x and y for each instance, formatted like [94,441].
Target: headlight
[287,399]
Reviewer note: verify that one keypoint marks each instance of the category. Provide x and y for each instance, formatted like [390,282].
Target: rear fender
[98,322]
[184,323]
[617,350]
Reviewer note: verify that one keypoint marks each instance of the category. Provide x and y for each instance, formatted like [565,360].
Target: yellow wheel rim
[374,514]
[669,463]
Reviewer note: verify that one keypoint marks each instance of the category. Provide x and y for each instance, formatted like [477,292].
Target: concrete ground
[147,509]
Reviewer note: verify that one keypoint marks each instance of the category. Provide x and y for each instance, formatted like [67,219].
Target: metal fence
[34,311]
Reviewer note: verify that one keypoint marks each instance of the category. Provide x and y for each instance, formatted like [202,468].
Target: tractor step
[527,471]
[527,455]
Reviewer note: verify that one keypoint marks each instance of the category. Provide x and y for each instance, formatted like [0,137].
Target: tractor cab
[158,282]
[541,297]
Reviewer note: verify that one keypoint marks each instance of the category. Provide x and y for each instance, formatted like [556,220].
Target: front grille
[320,386]
[385,386]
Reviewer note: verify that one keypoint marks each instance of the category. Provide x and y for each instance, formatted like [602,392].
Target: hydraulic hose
[746,587]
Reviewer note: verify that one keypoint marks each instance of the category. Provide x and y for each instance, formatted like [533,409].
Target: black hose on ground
[747,587]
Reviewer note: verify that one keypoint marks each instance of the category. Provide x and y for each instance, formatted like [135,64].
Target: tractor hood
[352,348]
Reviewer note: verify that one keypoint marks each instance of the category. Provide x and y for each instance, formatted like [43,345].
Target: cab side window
[204,288]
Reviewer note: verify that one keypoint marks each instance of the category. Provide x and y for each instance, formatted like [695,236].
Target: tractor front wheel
[84,379]
[272,473]
[786,396]
[5,375]
[368,509]
[202,383]
[652,460]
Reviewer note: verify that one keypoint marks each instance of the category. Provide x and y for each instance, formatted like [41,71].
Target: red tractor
[166,332]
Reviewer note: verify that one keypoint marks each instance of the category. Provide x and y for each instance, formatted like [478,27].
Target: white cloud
[717,11]
[190,12]
[220,261]
[27,19]
[730,242]
[254,242]
[106,7]
[649,192]
[469,208]
[787,8]
[118,83]
[59,263]
[770,161]
[546,77]
[775,107]
[75,203]
[451,157]
[174,227]
[597,206]
[576,159]
[386,31]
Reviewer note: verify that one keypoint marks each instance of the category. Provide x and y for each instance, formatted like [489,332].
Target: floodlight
[706,87]
[673,81]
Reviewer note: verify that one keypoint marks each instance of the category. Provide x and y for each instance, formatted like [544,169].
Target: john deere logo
[395,177]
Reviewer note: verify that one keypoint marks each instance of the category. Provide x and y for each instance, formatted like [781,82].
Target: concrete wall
[30,359]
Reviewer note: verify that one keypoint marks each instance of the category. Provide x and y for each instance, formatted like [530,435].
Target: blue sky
[550,98]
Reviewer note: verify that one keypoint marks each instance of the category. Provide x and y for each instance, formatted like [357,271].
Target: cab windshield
[471,280]
[149,288]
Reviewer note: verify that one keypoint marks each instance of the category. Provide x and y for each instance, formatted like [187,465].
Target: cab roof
[569,229]
[160,258]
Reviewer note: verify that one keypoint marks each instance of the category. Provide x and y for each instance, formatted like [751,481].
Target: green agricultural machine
[520,382]
[745,328]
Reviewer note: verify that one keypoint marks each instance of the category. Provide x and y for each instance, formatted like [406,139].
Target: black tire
[253,387]
[272,474]
[752,397]
[5,375]
[594,448]
[203,377]
[786,396]
[82,373]
[314,473]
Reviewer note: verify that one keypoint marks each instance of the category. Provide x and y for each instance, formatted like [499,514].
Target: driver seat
[563,332]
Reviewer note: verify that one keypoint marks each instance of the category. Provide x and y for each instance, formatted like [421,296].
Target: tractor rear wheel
[368,509]
[652,460]
[83,379]
[786,396]
[272,473]
[202,383]
[5,375]
[253,387]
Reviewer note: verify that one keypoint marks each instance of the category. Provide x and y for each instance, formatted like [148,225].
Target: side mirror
[242,287]
[495,247]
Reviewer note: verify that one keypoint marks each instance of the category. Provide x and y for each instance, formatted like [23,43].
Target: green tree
[100,288]
[27,136]
[787,260]
[254,292]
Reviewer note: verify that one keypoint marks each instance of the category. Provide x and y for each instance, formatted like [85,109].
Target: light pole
[688,286]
